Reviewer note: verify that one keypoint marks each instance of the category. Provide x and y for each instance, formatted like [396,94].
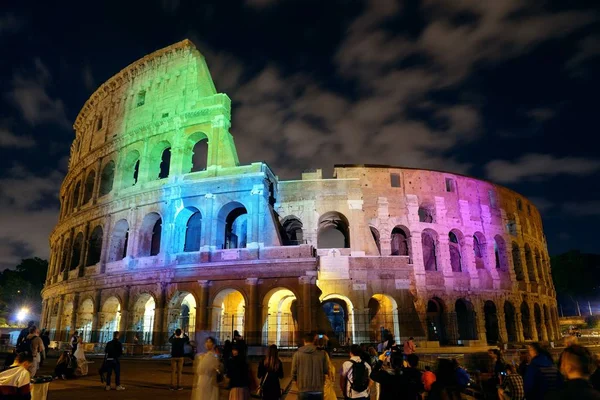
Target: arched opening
[339,320]
[539,268]
[54,318]
[234,219]
[479,250]
[66,319]
[94,247]
[292,227]
[118,241]
[529,263]
[383,318]
[399,242]
[65,254]
[492,332]
[549,327]
[165,164]
[500,253]
[110,319]
[537,315]
[455,251]
[88,191]
[436,321]
[75,198]
[376,238]
[428,241]
[85,318]
[193,232]
[518,266]
[510,321]
[526,321]
[143,318]
[150,234]
[333,232]
[200,155]
[182,313]
[228,314]
[107,178]
[76,254]
[280,325]
[131,169]
[466,320]
[426,213]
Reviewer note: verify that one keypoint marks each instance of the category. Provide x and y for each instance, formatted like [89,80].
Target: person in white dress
[207,367]
[82,363]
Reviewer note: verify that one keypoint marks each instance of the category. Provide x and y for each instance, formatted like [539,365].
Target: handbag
[259,391]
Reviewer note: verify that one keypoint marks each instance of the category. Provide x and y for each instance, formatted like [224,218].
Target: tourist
[428,378]
[46,341]
[178,341]
[63,367]
[354,377]
[524,360]
[409,346]
[82,363]
[462,376]
[397,382]
[309,369]
[37,348]
[270,371]
[512,387]
[206,370]
[577,364]
[241,343]
[328,389]
[542,376]
[445,386]
[114,351]
[24,332]
[373,359]
[15,382]
[238,374]
[74,340]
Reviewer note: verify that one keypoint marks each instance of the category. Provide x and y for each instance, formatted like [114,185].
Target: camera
[320,336]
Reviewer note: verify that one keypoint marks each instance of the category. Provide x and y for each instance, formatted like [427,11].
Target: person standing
[24,332]
[309,369]
[237,371]
[542,376]
[82,363]
[114,351]
[74,340]
[577,364]
[409,346]
[270,371]
[428,378]
[15,382]
[207,368]
[178,341]
[354,377]
[46,341]
[512,387]
[241,343]
[37,349]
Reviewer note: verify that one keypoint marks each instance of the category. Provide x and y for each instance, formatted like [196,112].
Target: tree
[22,286]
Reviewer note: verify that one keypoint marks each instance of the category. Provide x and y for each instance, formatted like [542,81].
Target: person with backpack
[114,351]
[24,332]
[354,377]
[33,345]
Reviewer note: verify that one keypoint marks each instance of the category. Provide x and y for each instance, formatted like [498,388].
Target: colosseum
[162,227]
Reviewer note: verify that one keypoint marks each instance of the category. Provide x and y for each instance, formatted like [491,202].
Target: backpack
[25,346]
[360,377]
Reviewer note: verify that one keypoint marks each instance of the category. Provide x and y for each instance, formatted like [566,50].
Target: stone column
[44,315]
[133,238]
[75,312]
[106,235]
[519,325]
[97,180]
[202,307]
[480,320]
[308,317]
[253,313]
[159,317]
[534,332]
[84,249]
[95,315]
[357,227]
[125,317]
[61,304]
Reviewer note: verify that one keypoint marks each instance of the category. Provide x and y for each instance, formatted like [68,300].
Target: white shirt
[347,372]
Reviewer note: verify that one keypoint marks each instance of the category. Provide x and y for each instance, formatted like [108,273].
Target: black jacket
[178,345]
[237,371]
[576,389]
[404,383]
[114,349]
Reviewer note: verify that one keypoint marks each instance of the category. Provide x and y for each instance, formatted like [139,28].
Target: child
[15,381]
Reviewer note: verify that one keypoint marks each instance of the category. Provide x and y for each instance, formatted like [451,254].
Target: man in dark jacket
[24,332]
[309,368]
[542,376]
[178,342]
[114,351]
[399,383]
[577,364]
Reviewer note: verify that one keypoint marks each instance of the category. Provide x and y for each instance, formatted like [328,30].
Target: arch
[88,189]
[65,254]
[85,318]
[165,164]
[500,253]
[200,155]
[107,178]
[537,316]
[75,198]
[131,169]
[67,319]
[526,321]
[399,241]
[228,309]
[76,252]
[339,319]
[292,227]
[465,319]
[280,316]
[143,318]
[232,226]
[160,161]
[376,238]
[510,321]
[492,331]
[333,231]
[517,265]
[429,243]
[455,240]
[150,235]
[110,319]
[193,230]
[426,213]
[383,317]
[182,313]
[436,321]
[529,263]
[479,250]
[118,241]
[94,249]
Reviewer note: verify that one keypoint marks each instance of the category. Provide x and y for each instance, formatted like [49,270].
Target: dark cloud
[582,209]
[9,140]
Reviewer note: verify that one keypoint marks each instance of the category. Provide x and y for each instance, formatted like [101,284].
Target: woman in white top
[207,367]
[82,363]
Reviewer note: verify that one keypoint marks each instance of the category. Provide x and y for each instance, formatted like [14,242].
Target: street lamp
[22,314]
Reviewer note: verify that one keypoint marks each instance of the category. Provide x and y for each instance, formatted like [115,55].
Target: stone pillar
[106,235]
[519,325]
[95,316]
[84,249]
[159,317]
[253,313]
[480,320]
[61,305]
[44,314]
[125,317]
[202,307]
[134,227]
[534,333]
[97,179]
[357,227]
[307,288]
[468,261]
[502,331]
[75,312]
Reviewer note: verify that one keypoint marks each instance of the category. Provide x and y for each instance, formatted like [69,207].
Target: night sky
[503,90]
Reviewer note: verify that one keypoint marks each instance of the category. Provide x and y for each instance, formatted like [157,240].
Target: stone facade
[161,227]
